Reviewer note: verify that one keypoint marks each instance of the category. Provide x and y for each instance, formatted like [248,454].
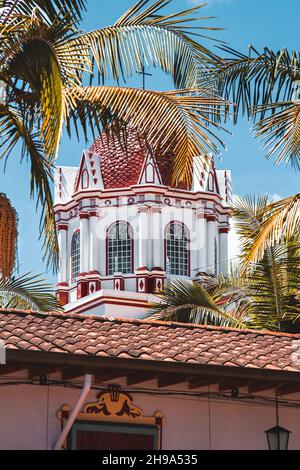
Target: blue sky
[262,23]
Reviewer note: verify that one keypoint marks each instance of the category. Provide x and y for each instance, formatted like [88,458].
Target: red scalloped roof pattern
[122,163]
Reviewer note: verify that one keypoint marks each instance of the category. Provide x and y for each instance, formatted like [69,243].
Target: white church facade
[124,229]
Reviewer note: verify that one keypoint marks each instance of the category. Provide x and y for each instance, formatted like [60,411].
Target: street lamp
[278,437]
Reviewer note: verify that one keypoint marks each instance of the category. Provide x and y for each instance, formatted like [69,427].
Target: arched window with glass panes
[120,249]
[75,255]
[177,250]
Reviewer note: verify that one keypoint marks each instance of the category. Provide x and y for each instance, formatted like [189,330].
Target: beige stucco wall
[28,419]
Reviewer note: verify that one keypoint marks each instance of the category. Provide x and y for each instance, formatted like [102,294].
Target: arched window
[150,173]
[120,252]
[177,250]
[75,251]
[85,181]
[211,183]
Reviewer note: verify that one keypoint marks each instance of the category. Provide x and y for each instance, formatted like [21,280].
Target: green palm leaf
[277,220]
[28,292]
[43,61]
[186,301]
[14,131]
[182,114]
[73,8]
[143,36]
[273,285]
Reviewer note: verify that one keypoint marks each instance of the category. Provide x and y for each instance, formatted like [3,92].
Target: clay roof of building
[148,340]
[122,160]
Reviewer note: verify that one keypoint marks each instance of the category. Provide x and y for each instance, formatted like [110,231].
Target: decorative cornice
[143,209]
[192,196]
[95,213]
[156,210]
[84,215]
[201,214]
[82,276]
[62,227]
[224,229]
[211,217]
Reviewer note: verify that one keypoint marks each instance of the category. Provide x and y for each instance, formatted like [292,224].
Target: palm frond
[266,298]
[280,133]
[273,285]
[248,213]
[13,131]
[28,292]
[43,58]
[264,86]
[258,79]
[144,36]
[50,8]
[189,302]
[278,219]
[182,114]
[33,62]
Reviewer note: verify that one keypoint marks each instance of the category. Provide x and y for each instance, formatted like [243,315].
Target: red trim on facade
[62,227]
[82,288]
[119,283]
[84,215]
[110,301]
[143,284]
[62,284]
[63,298]
[211,218]
[94,214]
[79,173]
[224,230]
[156,169]
[155,190]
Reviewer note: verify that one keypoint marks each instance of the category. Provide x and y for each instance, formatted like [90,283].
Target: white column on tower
[211,236]
[143,236]
[201,241]
[84,242]
[223,236]
[157,238]
[62,245]
[94,249]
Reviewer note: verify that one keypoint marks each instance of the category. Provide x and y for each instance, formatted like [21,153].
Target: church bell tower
[125,229]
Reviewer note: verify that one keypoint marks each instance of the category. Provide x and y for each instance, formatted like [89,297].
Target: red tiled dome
[122,160]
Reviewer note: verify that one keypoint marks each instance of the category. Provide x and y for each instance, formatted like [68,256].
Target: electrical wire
[210,395]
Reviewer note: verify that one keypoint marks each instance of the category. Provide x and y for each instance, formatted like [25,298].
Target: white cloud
[275,197]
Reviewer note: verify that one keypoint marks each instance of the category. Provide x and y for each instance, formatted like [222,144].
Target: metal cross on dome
[144,74]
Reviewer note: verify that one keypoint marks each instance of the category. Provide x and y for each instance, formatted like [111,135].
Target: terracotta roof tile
[148,340]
